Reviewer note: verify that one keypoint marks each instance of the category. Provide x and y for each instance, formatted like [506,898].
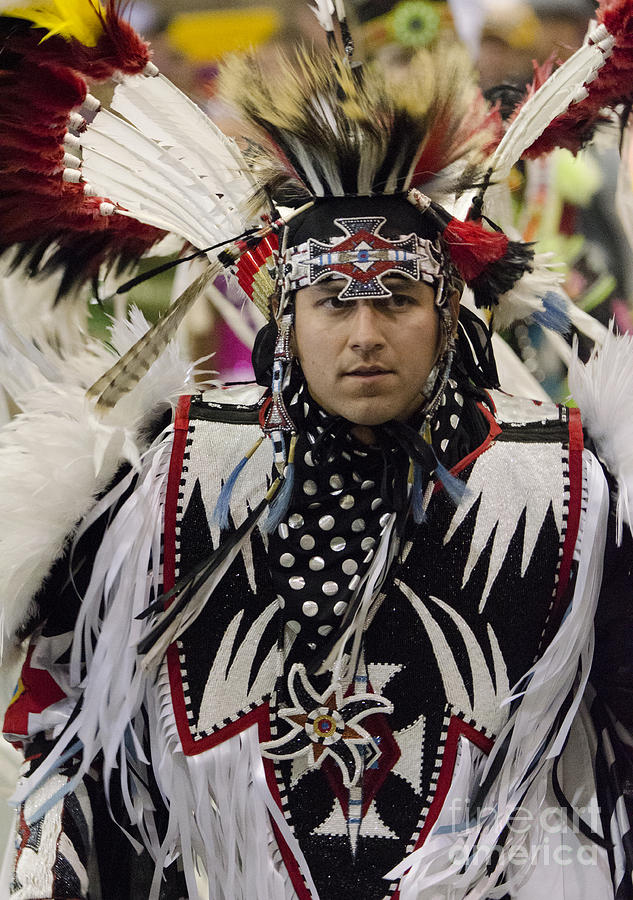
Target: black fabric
[475,357]
[397,640]
[124,874]
[614,785]
[328,463]
[263,353]
[402,218]
[612,669]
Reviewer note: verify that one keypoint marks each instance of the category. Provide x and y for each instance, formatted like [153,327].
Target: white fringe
[56,457]
[126,568]
[219,808]
[455,864]
[603,389]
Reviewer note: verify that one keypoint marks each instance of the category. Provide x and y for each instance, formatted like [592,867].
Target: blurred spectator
[515,32]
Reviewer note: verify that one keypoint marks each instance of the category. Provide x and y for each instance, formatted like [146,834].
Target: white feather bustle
[56,457]
[603,389]
[34,313]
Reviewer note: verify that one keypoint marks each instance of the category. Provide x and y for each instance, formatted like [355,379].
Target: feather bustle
[613,85]
[41,83]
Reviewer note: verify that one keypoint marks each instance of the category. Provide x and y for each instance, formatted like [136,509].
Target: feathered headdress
[82,189]
[325,129]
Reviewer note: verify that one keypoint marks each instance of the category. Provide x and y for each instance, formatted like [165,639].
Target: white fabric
[603,389]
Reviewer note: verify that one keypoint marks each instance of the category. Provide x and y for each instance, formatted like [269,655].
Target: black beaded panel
[199,644]
[516,609]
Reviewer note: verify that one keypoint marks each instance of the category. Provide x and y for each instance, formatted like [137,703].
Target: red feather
[41,83]
[613,85]
[472,248]
[448,140]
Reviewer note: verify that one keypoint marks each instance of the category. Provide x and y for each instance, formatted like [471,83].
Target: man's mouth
[369,372]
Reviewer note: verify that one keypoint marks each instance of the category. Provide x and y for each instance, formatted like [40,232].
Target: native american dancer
[329,636]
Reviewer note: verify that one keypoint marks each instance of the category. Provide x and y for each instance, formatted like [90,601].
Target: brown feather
[323,129]
[133,365]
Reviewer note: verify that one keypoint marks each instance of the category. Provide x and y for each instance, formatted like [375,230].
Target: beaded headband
[362,258]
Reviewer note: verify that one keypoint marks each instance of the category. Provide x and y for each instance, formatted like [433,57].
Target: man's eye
[333,302]
[398,301]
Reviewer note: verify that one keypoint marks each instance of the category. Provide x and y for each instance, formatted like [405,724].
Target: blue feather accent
[280,502]
[454,487]
[554,315]
[221,512]
[419,513]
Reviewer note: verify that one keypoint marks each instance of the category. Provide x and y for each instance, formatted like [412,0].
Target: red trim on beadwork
[259,715]
[576,447]
[494,430]
[456,728]
[181,430]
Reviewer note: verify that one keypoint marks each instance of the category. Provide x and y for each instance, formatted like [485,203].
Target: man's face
[367,360]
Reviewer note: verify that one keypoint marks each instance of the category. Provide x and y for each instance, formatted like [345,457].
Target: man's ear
[453,304]
[294,352]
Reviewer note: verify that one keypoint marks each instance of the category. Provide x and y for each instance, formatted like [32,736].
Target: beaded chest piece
[361,767]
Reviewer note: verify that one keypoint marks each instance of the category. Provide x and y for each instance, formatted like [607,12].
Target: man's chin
[371,412]
[371,408]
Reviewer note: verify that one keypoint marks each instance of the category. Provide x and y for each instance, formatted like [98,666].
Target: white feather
[324,10]
[340,10]
[603,389]
[159,109]
[168,165]
[56,457]
[514,376]
[587,324]
[140,175]
[563,88]
[152,200]
[526,296]
[28,305]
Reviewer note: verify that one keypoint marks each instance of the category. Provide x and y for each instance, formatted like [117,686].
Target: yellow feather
[78,19]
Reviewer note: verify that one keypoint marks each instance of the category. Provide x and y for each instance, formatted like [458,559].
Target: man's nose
[366,333]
